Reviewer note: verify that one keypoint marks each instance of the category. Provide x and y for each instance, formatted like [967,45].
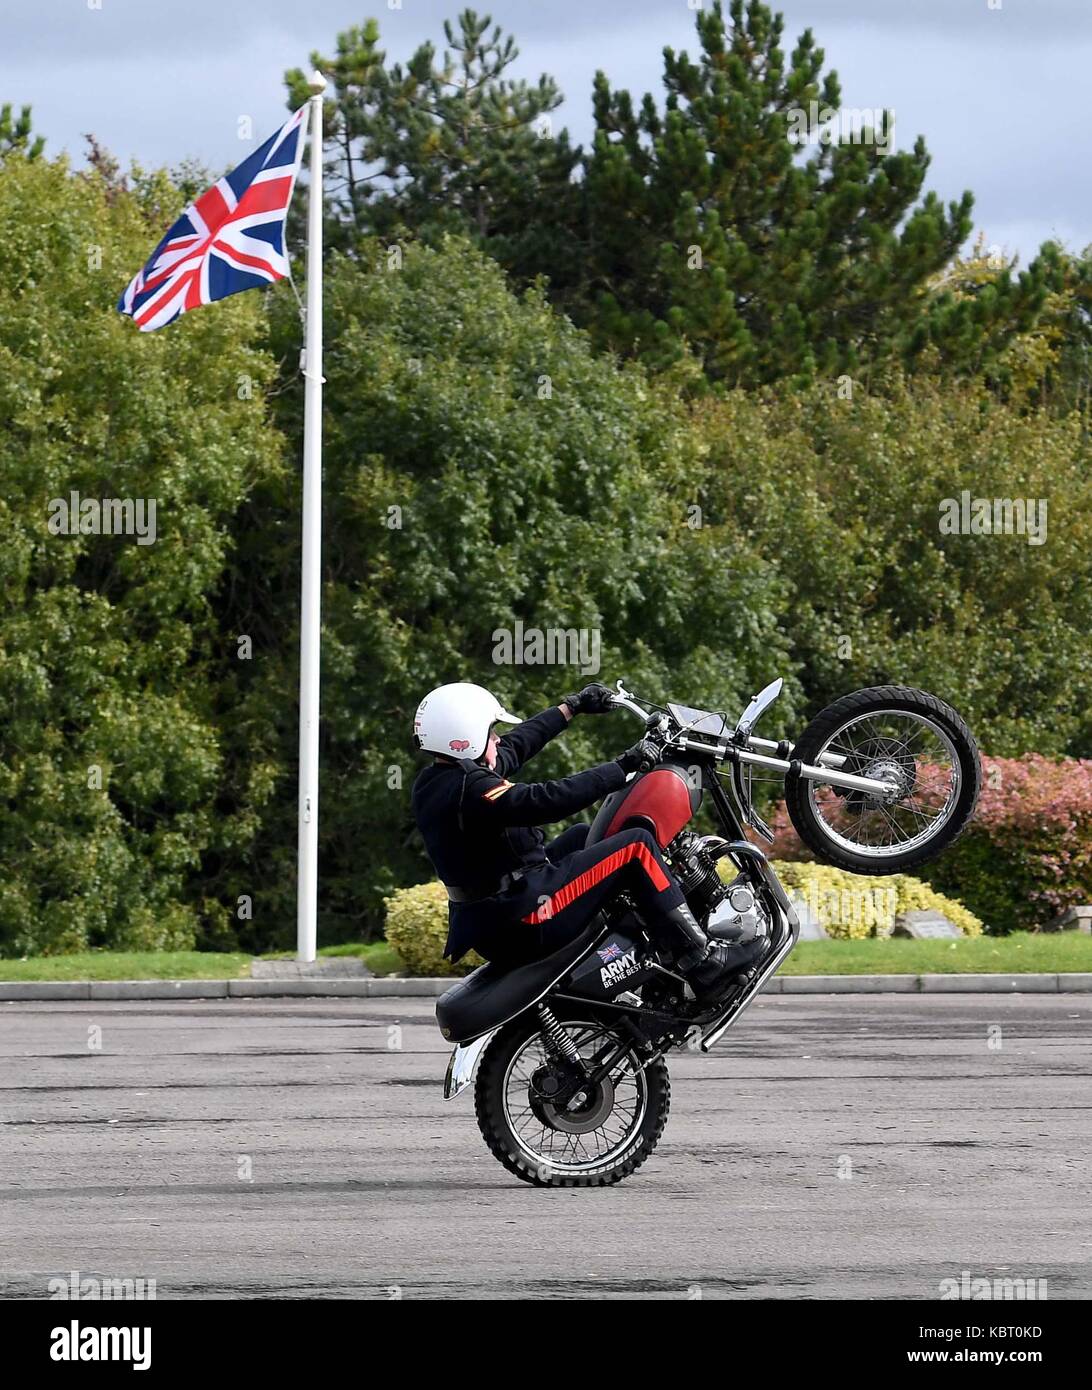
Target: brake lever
[624,700]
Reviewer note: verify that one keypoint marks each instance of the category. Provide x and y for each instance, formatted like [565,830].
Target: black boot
[709,965]
[722,961]
[693,942]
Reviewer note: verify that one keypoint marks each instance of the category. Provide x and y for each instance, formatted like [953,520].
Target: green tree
[111,761]
[1055,356]
[16,134]
[1046,364]
[710,225]
[484,466]
[847,497]
[358,85]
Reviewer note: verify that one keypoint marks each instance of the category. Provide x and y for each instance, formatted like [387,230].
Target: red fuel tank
[662,799]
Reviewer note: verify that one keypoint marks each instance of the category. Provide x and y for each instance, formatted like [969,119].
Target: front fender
[464,1060]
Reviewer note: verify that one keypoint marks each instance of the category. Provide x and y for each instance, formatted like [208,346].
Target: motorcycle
[569,1051]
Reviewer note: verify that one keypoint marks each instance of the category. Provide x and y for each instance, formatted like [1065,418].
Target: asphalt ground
[830,1147]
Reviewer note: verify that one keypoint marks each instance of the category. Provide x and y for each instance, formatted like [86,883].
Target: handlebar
[624,700]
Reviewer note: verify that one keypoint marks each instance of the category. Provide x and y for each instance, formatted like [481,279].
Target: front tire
[517,1125]
[898,733]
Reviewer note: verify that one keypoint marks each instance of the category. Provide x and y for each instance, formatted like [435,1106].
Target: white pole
[307,857]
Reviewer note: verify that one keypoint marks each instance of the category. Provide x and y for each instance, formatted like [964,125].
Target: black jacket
[480,829]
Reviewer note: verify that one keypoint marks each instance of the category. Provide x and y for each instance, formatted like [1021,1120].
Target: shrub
[172,929]
[1028,853]
[1025,857]
[850,906]
[417,929]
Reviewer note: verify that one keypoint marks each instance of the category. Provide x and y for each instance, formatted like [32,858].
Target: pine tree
[357,82]
[448,144]
[710,224]
[16,134]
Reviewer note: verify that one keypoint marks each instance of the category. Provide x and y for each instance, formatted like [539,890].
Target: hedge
[851,906]
[847,905]
[1028,854]
[1025,857]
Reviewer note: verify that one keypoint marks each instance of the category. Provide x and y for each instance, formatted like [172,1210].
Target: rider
[514,897]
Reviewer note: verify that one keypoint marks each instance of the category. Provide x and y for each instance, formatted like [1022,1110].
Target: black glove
[593,699]
[641,757]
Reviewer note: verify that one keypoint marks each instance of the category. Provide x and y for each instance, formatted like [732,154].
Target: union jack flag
[230,239]
[609,952]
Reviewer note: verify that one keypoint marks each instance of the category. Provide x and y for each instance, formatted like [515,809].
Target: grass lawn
[380,958]
[130,965]
[1020,953]
[1002,955]
[177,965]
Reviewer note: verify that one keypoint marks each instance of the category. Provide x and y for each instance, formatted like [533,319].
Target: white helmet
[455,720]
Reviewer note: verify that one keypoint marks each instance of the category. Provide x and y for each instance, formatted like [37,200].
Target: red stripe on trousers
[596,874]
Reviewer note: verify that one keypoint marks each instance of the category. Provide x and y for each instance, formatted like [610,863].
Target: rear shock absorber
[556,1039]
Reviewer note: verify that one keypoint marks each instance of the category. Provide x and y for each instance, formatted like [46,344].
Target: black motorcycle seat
[494,993]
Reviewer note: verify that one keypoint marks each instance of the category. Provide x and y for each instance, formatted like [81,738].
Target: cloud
[998,94]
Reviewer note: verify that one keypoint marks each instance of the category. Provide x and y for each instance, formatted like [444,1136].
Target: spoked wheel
[902,736]
[553,1134]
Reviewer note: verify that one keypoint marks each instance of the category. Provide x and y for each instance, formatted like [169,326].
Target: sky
[996,87]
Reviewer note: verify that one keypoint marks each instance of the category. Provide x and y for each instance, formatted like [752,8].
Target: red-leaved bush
[1025,857]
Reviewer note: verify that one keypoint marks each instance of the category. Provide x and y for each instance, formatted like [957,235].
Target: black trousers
[558,900]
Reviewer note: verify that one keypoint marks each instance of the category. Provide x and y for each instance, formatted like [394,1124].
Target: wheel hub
[585,1109]
[898,768]
[888,770]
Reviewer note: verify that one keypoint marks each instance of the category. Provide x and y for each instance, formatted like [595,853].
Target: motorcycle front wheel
[600,1136]
[891,733]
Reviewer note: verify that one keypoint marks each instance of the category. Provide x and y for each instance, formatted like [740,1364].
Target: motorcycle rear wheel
[886,731]
[634,1111]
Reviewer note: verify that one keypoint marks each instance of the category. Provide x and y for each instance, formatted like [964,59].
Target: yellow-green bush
[417,929]
[847,905]
[855,905]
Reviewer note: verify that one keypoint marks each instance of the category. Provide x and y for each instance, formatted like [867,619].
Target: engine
[696,870]
[713,902]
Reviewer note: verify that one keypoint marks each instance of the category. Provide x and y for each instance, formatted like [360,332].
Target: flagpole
[307,852]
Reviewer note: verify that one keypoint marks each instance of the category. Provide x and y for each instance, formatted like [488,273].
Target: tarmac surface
[862,1147]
